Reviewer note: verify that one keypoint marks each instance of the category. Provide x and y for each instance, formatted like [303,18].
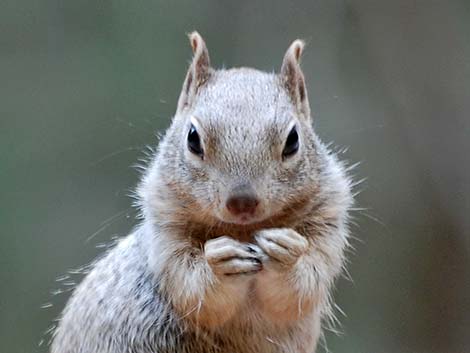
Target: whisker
[106,223]
[115,153]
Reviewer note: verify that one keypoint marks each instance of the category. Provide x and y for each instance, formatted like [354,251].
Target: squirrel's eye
[292,144]
[194,142]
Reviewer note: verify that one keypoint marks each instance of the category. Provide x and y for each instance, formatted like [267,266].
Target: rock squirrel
[244,227]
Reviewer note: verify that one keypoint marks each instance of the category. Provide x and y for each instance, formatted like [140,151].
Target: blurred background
[85,85]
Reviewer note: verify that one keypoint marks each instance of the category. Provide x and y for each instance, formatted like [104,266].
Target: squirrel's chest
[250,341]
[249,332]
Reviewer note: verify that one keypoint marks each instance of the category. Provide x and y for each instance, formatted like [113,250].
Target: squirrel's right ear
[198,72]
[293,78]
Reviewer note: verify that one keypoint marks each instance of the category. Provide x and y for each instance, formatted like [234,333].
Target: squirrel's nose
[239,204]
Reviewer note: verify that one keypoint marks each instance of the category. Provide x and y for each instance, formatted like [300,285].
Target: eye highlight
[292,144]
[194,142]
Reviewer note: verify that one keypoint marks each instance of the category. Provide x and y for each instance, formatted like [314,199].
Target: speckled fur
[157,291]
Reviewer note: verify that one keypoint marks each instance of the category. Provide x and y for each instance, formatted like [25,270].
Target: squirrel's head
[241,148]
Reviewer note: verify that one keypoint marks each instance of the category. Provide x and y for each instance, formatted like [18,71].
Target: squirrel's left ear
[198,72]
[293,78]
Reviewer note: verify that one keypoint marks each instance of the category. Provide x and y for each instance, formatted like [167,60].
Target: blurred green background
[85,85]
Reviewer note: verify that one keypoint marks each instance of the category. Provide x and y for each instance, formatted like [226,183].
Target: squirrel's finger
[287,238]
[274,250]
[216,254]
[238,266]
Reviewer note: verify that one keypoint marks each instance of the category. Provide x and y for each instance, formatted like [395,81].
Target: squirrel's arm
[297,274]
[206,286]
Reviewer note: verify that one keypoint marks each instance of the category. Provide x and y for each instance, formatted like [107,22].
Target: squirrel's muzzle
[242,201]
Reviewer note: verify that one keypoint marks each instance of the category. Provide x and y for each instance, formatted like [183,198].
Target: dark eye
[292,144]
[194,142]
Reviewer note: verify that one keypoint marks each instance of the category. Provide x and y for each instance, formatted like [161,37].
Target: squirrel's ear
[198,72]
[293,78]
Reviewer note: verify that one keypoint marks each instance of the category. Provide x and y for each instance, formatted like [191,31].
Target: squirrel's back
[117,306]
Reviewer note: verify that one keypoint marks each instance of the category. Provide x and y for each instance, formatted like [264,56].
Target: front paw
[283,246]
[227,256]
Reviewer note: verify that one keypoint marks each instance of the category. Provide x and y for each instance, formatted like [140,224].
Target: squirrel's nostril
[242,204]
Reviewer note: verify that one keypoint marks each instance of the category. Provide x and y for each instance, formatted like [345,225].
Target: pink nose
[242,204]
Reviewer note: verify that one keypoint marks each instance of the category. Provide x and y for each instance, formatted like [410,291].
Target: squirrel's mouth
[244,219]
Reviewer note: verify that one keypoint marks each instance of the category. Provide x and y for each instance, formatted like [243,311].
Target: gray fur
[191,278]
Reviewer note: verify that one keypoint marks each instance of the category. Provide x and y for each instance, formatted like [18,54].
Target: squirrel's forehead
[241,84]
[239,96]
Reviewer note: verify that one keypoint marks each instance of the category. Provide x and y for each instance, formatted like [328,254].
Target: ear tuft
[293,77]
[194,38]
[298,47]
[198,72]
[196,41]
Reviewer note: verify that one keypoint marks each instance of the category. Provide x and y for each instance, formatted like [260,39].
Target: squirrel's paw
[283,245]
[227,256]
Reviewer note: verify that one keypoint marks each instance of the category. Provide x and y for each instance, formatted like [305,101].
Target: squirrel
[243,233]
